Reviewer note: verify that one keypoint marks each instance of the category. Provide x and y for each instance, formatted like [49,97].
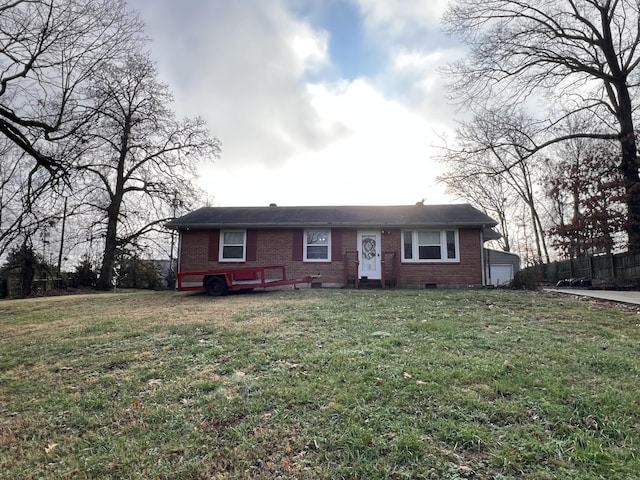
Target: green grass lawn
[319,384]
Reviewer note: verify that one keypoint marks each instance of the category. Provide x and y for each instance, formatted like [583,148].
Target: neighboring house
[407,246]
[502,266]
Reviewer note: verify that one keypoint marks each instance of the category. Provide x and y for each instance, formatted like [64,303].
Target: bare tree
[48,50]
[577,54]
[28,201]
[143,161]
[488,192]
[489,169]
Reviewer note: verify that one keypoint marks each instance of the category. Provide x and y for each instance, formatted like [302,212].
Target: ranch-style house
[419,246]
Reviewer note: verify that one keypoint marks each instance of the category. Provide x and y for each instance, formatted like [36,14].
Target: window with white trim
[317,245]
[233,245]
[430,246]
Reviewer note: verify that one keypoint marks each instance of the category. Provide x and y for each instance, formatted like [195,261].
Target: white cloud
[402,19]
[417,81]
[245,67]
[311,47]
[384,159]
[241,65]
[410,33]
[416,60]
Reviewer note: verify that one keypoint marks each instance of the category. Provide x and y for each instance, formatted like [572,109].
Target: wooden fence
[614,269]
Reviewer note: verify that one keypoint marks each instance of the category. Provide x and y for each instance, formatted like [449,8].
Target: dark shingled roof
[460,215]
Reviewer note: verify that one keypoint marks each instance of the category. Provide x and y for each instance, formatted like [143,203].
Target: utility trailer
[218,282]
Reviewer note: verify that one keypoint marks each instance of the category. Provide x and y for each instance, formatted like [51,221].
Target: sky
[316,102]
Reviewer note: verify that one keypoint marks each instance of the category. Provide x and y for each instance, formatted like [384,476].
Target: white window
[317,245]
[233,245]
[430,246]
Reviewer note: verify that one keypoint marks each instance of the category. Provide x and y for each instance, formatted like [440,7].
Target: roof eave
[210,226]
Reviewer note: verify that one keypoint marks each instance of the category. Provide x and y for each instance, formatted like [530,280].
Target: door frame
[378,272]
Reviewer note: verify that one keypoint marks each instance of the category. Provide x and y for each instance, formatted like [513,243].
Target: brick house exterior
[405,246]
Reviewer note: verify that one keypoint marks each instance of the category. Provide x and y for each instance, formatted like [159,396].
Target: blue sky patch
[351,53]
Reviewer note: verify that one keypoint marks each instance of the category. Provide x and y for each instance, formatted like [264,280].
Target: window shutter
[298,245]
[214,244]
[336,245]
[252,245]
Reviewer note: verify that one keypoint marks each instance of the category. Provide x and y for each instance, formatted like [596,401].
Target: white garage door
[501,274]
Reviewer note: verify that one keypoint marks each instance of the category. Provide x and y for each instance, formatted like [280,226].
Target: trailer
[218,282]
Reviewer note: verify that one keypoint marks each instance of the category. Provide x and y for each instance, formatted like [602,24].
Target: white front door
[369,255]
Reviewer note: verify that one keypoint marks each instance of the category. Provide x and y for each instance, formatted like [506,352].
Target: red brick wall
[274,247]
[468,271]
[194,251]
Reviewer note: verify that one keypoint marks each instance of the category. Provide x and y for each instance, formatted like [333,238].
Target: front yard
[319,384]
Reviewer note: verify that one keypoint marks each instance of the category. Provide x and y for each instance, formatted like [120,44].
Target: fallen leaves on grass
[50,448]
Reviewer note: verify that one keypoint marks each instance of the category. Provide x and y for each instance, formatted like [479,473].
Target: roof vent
[273,205]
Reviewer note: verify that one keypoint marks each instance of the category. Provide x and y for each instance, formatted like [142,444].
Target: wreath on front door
[368,248]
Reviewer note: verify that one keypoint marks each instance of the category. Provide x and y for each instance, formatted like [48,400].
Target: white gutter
[179,255]
[484,273]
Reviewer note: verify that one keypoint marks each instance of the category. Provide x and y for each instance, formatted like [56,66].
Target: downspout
[179,255]
[482,260]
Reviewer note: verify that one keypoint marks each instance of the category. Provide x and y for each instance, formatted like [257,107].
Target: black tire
[216,287]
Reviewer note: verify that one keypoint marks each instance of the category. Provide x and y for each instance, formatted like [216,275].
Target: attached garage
[501,267]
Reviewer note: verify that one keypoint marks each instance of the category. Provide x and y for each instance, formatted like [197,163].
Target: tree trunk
[109,254]
[505,231]
[629,169]
[542,240]
[111,237]
[113,212]
[629,161]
